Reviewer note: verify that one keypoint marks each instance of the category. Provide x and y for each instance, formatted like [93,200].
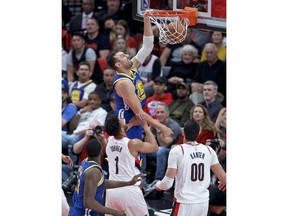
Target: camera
[215,144]
[98,130]
[69,184]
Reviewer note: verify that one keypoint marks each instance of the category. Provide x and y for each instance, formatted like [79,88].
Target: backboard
[211,13]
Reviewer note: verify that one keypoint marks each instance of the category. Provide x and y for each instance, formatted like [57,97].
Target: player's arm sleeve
[173,157]
[214,156]
[146,49]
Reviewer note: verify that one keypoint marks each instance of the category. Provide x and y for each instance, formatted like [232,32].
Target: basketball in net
[173,25]
[176,32]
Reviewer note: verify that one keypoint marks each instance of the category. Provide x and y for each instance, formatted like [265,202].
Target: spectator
[95,40]
[184,70]
[79,148]
[66,14]
[106,88]
[112,10]
[109,28]
[77,54]
[165,143]
[211,69]
[148,71]
[92,133]
[158,96]
[122,29]
[208,130]
[64,63]
[99,43]
[80,123]
[66,38]
[221,128]
[79,21]
[88,195]
[69,109]
[217,39]
[88,113]
[221,119]
[126,152]
[135,26]
[121,45]
[180,108]
[171,53]
[112,103]
[217,201]
[79,90]
[211,103]
[190,165]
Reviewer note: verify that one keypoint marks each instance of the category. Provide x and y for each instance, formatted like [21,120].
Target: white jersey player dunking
[190,165]
[123,157]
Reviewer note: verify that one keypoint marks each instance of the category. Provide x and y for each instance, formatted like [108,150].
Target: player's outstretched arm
[167,181]
[91,180]
[150,145]
[148,44]
[156,124]
[171,171]
[115,184]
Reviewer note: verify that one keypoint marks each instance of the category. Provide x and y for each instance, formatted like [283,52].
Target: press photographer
[95,131]
[216,144]
[69,184]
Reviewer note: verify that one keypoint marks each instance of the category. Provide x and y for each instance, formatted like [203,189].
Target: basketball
[176,32]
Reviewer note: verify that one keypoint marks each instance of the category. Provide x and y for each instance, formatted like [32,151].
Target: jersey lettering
[197,155]
[116,148]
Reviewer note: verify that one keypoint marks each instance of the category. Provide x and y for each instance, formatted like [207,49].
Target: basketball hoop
[173,24]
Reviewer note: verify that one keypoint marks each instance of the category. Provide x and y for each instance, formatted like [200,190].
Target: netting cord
[167,36]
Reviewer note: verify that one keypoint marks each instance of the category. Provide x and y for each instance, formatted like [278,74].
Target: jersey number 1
[117,168]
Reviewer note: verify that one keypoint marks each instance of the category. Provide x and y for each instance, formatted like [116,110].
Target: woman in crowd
[208,130]
[183,71]
[122,29]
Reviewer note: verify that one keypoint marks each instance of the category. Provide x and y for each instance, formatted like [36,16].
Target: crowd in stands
[193,88]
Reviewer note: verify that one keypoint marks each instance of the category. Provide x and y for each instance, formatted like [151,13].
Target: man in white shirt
[80,123]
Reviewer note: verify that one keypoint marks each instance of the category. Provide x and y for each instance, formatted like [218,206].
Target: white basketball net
[166,35]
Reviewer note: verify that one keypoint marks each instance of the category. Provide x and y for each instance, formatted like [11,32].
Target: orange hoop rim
[183,13]
[187,13]
[169,13]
